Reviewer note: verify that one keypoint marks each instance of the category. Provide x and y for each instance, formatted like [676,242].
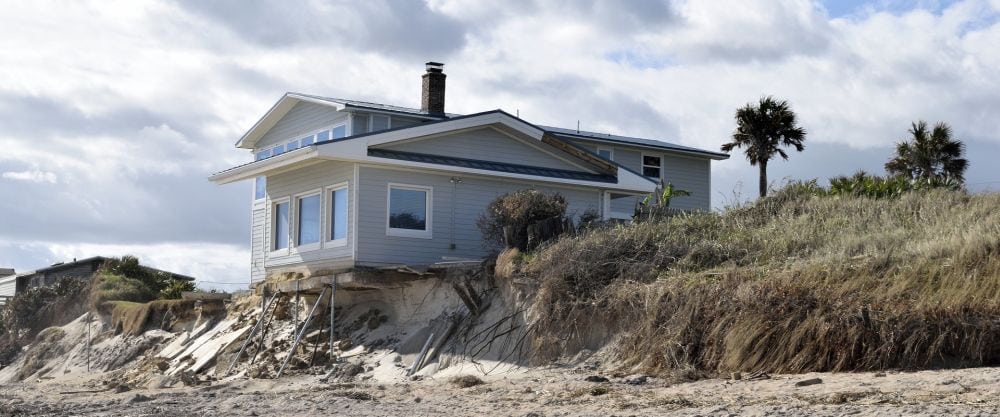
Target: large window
[338,214]
[280,227]
[651,166]
[409,211]
[308,229]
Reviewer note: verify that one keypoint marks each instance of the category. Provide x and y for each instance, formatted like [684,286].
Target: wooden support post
[295,313]
[333,294]
[302,332]
[420,358]
[263,314]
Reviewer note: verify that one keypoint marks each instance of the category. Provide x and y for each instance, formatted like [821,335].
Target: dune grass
[792,283]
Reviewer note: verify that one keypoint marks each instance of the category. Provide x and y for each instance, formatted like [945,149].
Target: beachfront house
[344,184]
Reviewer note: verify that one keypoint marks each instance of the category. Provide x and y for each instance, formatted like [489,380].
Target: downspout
[454,199]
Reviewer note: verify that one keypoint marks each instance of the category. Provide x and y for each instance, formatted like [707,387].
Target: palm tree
[762,130]
[930,155]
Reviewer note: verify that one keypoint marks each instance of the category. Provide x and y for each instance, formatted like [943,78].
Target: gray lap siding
[685,172]
[304,180]
[469,199]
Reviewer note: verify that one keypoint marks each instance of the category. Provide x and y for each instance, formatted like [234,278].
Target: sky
[113,113]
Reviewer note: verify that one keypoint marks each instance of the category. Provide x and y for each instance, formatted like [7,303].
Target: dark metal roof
[606,137]
[379,106]
[491,165]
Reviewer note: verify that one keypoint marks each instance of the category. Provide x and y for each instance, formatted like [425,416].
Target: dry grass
[466,381]
[793,283]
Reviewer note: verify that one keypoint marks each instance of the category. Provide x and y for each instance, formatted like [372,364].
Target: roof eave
[275,113]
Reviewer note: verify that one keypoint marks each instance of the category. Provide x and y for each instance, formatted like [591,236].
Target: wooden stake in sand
[88,341]
[302,332]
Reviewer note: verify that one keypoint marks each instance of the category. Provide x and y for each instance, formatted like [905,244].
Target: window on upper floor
[340,132]
[409,211]
[278,150]
[379,122]
[359,124]
[606,153]
[651,166]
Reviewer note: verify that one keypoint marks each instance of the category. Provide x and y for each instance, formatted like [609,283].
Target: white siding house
[342,184]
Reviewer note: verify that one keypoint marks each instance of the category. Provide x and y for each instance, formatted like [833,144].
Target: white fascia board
[630,180]
[452,125]
[277,111]
[257,168]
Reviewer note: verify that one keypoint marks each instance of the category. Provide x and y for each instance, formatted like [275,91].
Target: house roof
[628,140]
[356,148]
[287,101]
[378,106]
[490,165]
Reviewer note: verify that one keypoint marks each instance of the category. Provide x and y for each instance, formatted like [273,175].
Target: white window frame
[428,233]
[347,130]
[294,216]
[643,166]
[273,224]
[329,241]
[611,152]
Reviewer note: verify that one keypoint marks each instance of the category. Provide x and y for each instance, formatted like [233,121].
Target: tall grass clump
[799,281]
[125,279]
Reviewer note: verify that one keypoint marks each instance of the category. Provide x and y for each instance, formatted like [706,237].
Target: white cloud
[31,176]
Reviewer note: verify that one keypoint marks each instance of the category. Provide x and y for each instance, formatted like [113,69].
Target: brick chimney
[432,94]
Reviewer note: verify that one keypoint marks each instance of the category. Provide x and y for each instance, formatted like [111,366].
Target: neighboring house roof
[67,265]
[490,165]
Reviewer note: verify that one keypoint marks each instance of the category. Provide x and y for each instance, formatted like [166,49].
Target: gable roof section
[290,99]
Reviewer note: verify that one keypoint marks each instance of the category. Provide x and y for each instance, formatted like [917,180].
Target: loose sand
[536,392]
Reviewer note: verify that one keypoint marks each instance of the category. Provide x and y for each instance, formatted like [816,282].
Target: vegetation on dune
[125,279]
[803,280]
[36,309]
[930,154]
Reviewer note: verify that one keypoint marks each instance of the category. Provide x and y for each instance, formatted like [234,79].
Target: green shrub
[38,308]
[508,219]
[173,289]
